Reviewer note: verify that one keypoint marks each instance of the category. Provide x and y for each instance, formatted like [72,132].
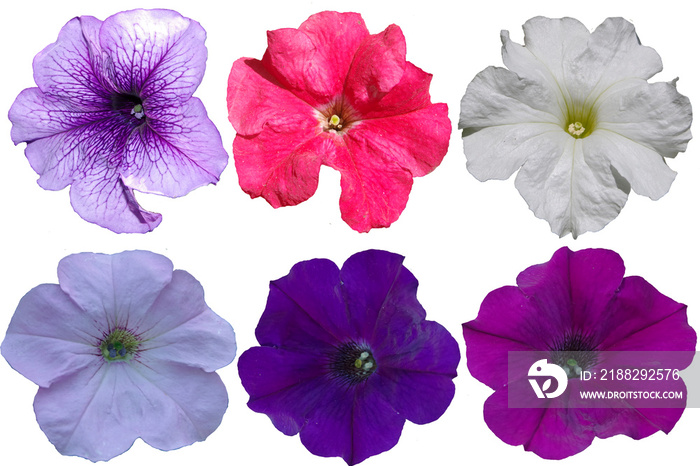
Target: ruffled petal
[313,61]
[352,423]
[562,187]
[102,197]
[255,98]
[378,66]
[44,350]
[416,141]
[97,413]
[70,70]
[282,164]
[115,289]
[613,53]
[177,150]
[550,45]
[194,335]
[305,309]
[410,94]
[643,168]
[380,159]
[497,96]
[654,116]
[157,54]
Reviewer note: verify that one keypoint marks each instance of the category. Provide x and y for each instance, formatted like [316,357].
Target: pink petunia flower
[329,93]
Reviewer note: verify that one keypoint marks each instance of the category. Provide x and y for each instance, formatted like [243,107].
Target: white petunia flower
[575,113]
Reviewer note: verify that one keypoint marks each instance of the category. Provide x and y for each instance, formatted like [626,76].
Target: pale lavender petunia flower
[124,347]
[113,112]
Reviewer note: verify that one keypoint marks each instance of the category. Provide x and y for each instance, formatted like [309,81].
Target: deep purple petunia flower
[113,112]
[347,356]
[123,348]
[578,311]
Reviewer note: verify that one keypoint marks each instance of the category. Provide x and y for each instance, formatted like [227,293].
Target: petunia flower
[124,347]
[347,356]
[329,93]
[576,309]
[113,113]
[575,114]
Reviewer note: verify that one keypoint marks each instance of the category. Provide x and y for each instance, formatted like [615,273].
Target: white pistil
[137,111]
[576,129]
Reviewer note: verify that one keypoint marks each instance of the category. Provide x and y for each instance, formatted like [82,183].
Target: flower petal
[255,98]
[410,94]
[642,319]
[305,309]
[354,424]
[416,141]
[374,187]
[60,139]
[157,54]
[313,61]
[417,378]
[562,187]
[377,67]
[194,336]
[550,46]
[69,69]
[653,115]
[375,286]
[574,288]
[281,165]
[285,385]
[44,350]
[118,288]
[613,54]
[102,197]
[178,150]
[553,432]
[643,168]
[97,413]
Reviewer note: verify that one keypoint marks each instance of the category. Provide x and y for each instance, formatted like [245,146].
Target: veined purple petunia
[577,303]
[575,116]
[124,347]
[330,93]
[347,356]
[113,113]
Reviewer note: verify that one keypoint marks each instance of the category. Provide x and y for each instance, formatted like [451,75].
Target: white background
[461,238]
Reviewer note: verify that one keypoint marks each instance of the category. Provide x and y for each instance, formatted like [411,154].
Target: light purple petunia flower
[113,112]
[347,356]
[123,348]
[578,304]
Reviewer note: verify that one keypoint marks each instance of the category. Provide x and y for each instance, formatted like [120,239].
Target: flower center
[574,353]
[120,345]
[352,363]
[580,120]
[129,104]
[337,117]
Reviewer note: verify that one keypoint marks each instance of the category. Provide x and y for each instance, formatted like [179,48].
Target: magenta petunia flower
[579,312]
[113,113]
[329,93]
[124,347]
[347,356]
